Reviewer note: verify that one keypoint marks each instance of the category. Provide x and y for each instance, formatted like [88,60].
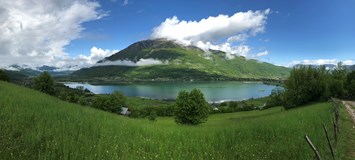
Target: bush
[350,84]
[191,108]
[112,103]
[276,98]
[4,76]
[145,112]
[44,83]
[234,106]
[152,115]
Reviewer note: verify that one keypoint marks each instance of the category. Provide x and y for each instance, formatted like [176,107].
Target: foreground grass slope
[36,126]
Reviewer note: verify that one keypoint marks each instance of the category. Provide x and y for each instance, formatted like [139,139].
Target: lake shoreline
[271,82]
[214,92]
[113,80]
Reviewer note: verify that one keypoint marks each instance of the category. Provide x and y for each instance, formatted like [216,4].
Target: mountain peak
[150,48]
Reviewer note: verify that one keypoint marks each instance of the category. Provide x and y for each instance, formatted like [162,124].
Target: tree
[44,83]
[306,84]
[82,101]
[350,82]
[4,76]
[338,82]
[276,98]
[191,108]
[112,103]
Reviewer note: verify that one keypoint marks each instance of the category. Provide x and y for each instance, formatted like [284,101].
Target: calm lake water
[213,91]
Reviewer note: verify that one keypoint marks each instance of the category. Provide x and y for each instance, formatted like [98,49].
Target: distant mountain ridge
[177,63]
[27,71]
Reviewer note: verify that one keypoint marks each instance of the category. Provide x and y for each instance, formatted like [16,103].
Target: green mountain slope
[181,63]
[37,126]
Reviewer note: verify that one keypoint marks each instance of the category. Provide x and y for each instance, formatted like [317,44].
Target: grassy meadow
[37,126]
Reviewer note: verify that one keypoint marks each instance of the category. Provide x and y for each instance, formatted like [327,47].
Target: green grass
[143,102]
[257,101]
[37,126]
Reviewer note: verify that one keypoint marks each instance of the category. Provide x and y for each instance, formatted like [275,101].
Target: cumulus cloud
[262,54]
[321,62]
[349,62]
[238,38]
[83,61]
[35,32]
[141,62]
[208,33]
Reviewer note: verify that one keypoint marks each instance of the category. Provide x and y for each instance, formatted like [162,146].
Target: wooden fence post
[335,131]
[312,146]
[336,111]
[330,145]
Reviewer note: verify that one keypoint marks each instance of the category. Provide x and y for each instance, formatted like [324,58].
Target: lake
[213,91]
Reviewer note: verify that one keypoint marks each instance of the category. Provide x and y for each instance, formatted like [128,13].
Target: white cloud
[349,62]
[125,2]
[83,61]
[97,54]
[262,54]
[321,62]
[35,32]
[238,38]
[141,62]
[208,33]
[241,50]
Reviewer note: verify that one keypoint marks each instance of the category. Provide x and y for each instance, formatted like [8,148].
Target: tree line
[308,84]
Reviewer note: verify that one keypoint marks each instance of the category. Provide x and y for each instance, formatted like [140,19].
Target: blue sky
[295,30]
[320,31]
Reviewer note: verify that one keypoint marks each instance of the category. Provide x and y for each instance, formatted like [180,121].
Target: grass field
[36,126]
[143,102]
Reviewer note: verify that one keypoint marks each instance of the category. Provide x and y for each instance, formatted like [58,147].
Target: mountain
[23,70]
[47,68]
[164,60]
[27,71]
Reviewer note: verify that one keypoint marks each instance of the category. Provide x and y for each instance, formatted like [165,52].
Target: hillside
[25,71]
[37,126]
[179,62]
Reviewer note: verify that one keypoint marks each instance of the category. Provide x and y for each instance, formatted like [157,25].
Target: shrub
[276,98]
[112,103]
[191,108]
[4,76]
[44,83]
[152,115]
[350,82]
